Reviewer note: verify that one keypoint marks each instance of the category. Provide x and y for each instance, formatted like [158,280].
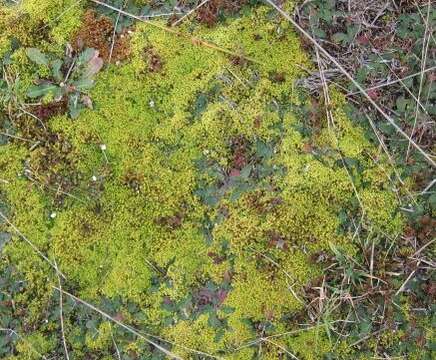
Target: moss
[137,224]
[62,17]
[103,337]
[196,335]
[32,347]
[310,344]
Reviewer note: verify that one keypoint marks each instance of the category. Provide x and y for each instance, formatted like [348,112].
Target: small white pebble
[151,103]
[53,215]
[103,147]
[94,178]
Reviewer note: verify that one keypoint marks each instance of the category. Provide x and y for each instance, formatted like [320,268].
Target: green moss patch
[197,192]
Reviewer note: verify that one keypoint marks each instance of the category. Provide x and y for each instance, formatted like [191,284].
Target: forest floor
[217,179]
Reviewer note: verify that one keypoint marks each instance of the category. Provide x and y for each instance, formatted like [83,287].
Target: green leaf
[83,84]
[86,55]
[214,322]
[340,37]
[41,90]
[4,239]
[245,172]
[432,202]
[386,129]
[74,107]
[37,56]
[263,150]
[94,66]
[56,70]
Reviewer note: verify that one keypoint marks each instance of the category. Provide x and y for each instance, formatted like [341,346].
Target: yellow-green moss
[33,347]
[135,217]
[62,17]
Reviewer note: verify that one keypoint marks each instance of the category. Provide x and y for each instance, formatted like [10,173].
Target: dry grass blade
[425,45]
[61,313]
[192,39]
[115,345]
[385,148]
[331,123]
[403,286]
[405,87]
[61,14]
[355,83]
[114,33]
[264,338]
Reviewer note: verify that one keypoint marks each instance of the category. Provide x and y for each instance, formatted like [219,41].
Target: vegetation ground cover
[196,180]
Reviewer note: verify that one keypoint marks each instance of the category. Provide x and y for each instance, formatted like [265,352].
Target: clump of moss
[97,32]
[198,173]
[61,17]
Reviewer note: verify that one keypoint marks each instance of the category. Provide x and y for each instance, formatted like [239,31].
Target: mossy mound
[199,190]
